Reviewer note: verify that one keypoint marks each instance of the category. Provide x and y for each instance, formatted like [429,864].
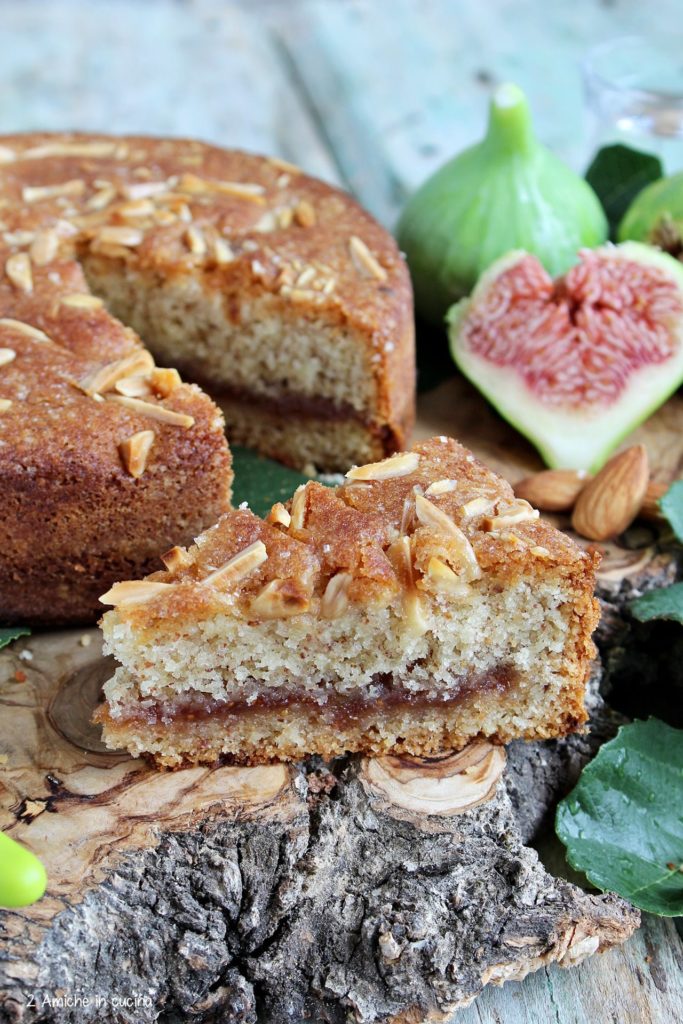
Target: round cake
[274,291]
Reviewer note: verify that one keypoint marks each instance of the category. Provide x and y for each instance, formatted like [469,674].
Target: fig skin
[507,192]
[656,215]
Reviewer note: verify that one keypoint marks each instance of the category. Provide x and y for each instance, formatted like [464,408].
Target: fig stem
[510,129]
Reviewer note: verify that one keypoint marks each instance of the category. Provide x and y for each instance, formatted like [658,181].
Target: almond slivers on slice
[135,592]
[240,565]
[389,469]
[155,412]
[135,452]
[436,519]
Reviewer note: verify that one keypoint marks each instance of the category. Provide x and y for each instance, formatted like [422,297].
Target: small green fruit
[22,876]
[656,214]
[507,192]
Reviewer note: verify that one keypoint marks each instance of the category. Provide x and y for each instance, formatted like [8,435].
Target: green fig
[507,192]
[22,876]
[656,215]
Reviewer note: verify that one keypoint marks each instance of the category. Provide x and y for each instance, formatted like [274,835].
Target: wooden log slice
[381,890]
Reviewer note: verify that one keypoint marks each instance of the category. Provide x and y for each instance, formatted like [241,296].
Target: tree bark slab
[280,894]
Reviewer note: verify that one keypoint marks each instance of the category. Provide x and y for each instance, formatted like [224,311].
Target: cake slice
[414,608]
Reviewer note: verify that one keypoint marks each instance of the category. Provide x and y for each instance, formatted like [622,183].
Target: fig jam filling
[336,709]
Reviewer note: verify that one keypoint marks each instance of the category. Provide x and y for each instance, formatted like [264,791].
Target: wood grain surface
[374,97]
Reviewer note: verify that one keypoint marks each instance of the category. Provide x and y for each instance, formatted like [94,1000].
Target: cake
[275,292]
[105,459]
[410,610]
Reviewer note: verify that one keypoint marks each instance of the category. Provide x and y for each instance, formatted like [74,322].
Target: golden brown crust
[79,514]
[405,539]
[242,224]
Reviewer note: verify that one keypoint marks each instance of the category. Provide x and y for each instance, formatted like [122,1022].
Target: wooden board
[375,101]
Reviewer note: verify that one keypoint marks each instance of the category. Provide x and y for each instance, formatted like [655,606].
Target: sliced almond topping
[136,208]
[7,355]
[222,252]
[195,240]
[436,519]
[477,507]
[304,214]
[335,600]
[284,165]
[36,193]
[105,378]
[519,511]
[279,515]
[540,551]
[175,559]
[5,404]
[113,235]
[443,577]
[155,412]
[18,238]
[305,277]
[240,565]
[364,261]
[395,466]
[44,247]
[239,189]
[18,270]
[298,514]
[135,592]
[276,601]
[101,199]
[136,386]
[144,189]
[22,328]
[401,554]
[164,380]
[442,487]
[135,450]
[285,217]
[82,300]
[85,149]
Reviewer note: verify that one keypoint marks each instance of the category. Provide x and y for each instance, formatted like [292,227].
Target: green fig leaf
[617,174]
[672,508]
[622,824]
[261,482]
[12,633]
[662,603]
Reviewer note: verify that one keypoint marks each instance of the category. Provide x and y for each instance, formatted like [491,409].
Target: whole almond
[650,508]
[552,490]
[612,499]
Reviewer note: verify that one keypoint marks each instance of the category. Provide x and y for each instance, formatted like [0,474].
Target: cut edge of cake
[413,609]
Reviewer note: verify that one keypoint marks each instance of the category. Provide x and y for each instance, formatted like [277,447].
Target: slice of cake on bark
[414,608]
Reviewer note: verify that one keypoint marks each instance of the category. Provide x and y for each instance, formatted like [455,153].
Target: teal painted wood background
[372,95]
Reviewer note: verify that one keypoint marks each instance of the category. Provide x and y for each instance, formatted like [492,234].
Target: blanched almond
[389,469]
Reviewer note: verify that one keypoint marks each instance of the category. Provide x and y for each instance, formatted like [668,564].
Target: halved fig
[577,363]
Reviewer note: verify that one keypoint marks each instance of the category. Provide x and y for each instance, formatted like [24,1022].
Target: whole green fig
[22,876]
[656,214]
[507,192]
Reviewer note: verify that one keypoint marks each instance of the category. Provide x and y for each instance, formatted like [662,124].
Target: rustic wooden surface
[372,98]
